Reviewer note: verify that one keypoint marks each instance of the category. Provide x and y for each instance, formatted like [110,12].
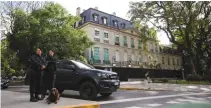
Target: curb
[96,105]
[144,89]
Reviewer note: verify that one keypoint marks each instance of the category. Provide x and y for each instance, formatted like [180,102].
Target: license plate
[116,83]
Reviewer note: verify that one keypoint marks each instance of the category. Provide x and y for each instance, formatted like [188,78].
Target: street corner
[93,105]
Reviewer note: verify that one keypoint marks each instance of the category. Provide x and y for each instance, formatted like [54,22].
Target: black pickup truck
[75,75]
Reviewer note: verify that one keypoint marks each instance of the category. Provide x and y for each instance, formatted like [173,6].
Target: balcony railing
[106,62]
[132,46]
[97,39]
[106,41]
[97,61]
[125,44]
[117,43]
[139,47]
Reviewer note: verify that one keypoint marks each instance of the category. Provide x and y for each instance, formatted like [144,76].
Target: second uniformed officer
[37,66]
[49,74]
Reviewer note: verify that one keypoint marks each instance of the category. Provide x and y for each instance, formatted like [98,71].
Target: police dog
[53,96]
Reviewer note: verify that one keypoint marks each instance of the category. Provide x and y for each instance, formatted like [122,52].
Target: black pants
[35,82]
[48,81]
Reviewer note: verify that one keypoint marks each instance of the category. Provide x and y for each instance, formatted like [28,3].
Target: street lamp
[129,65]
[114,64]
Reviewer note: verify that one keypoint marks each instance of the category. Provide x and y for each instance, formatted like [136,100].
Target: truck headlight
[102,75]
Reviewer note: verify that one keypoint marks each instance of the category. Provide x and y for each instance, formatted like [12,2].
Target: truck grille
[113,77]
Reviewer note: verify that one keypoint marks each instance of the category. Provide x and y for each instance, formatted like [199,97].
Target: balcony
[106,41]
[106,62]
[117,43]
[135,63]
[132,46]
[97,39]
[139,47]
[97,61]
[125,44]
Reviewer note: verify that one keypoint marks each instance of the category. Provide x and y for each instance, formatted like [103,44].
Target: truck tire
[105,94]
[88,91]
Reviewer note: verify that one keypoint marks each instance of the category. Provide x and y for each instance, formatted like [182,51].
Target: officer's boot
[37,97]
[32,98]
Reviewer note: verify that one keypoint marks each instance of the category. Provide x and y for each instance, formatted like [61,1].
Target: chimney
[78,11]
[96,8]
[114,13]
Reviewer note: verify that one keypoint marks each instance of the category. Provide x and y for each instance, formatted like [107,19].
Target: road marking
[205,89]
[154,105]
[134,107]
[191,101]
[147,98]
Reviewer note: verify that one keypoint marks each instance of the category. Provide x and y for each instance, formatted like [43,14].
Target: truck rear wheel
[88,91]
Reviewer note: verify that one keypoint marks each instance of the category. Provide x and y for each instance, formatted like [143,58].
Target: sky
[121,7]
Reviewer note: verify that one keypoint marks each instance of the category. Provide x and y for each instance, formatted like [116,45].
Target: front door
[65,75]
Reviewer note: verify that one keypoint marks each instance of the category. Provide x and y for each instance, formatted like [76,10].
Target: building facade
[118,43]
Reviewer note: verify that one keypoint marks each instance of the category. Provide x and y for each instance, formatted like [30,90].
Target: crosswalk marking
[172,102]
[134,107]
[209,97]
[154,105]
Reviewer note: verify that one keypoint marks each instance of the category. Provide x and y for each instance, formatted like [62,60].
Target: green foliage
[49,27]
[8,60]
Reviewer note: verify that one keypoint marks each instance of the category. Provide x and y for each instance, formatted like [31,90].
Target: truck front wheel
[88,91]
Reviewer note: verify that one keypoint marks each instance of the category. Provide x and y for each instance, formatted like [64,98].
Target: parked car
[75,75]
[4,83]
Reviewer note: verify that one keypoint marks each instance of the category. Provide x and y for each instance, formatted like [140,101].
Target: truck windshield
[82,65]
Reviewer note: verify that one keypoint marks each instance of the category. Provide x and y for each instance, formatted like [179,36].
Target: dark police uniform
[35,76]
[49,74]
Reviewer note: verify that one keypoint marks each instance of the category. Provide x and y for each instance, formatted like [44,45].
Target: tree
[49,27]
[8,60]
[186,24]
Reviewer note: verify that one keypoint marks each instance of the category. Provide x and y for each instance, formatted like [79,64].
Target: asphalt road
[140,99]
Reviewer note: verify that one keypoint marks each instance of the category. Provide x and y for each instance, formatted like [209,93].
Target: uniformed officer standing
[35,75]
[49,74]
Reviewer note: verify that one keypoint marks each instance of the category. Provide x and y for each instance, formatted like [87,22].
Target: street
[120,99]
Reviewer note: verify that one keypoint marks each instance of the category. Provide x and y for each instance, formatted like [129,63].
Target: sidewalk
[142,85]
[21,100]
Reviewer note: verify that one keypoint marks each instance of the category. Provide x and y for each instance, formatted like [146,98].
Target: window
[163,62]
[95,17]
[96,53]
[84,19]
[125,56]
[139,58]
[123,25]
[125,41]
[132,43]
[173,61]
[168,61]
[178,62]
[82,65]
[117,55]
[105,35]
[139,44]
[115,23]
[97,33]
[104,20]
[117,40]
[151,48]
[106,54]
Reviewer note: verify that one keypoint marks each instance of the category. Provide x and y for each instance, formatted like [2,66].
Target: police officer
[49,74]
[35,75]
